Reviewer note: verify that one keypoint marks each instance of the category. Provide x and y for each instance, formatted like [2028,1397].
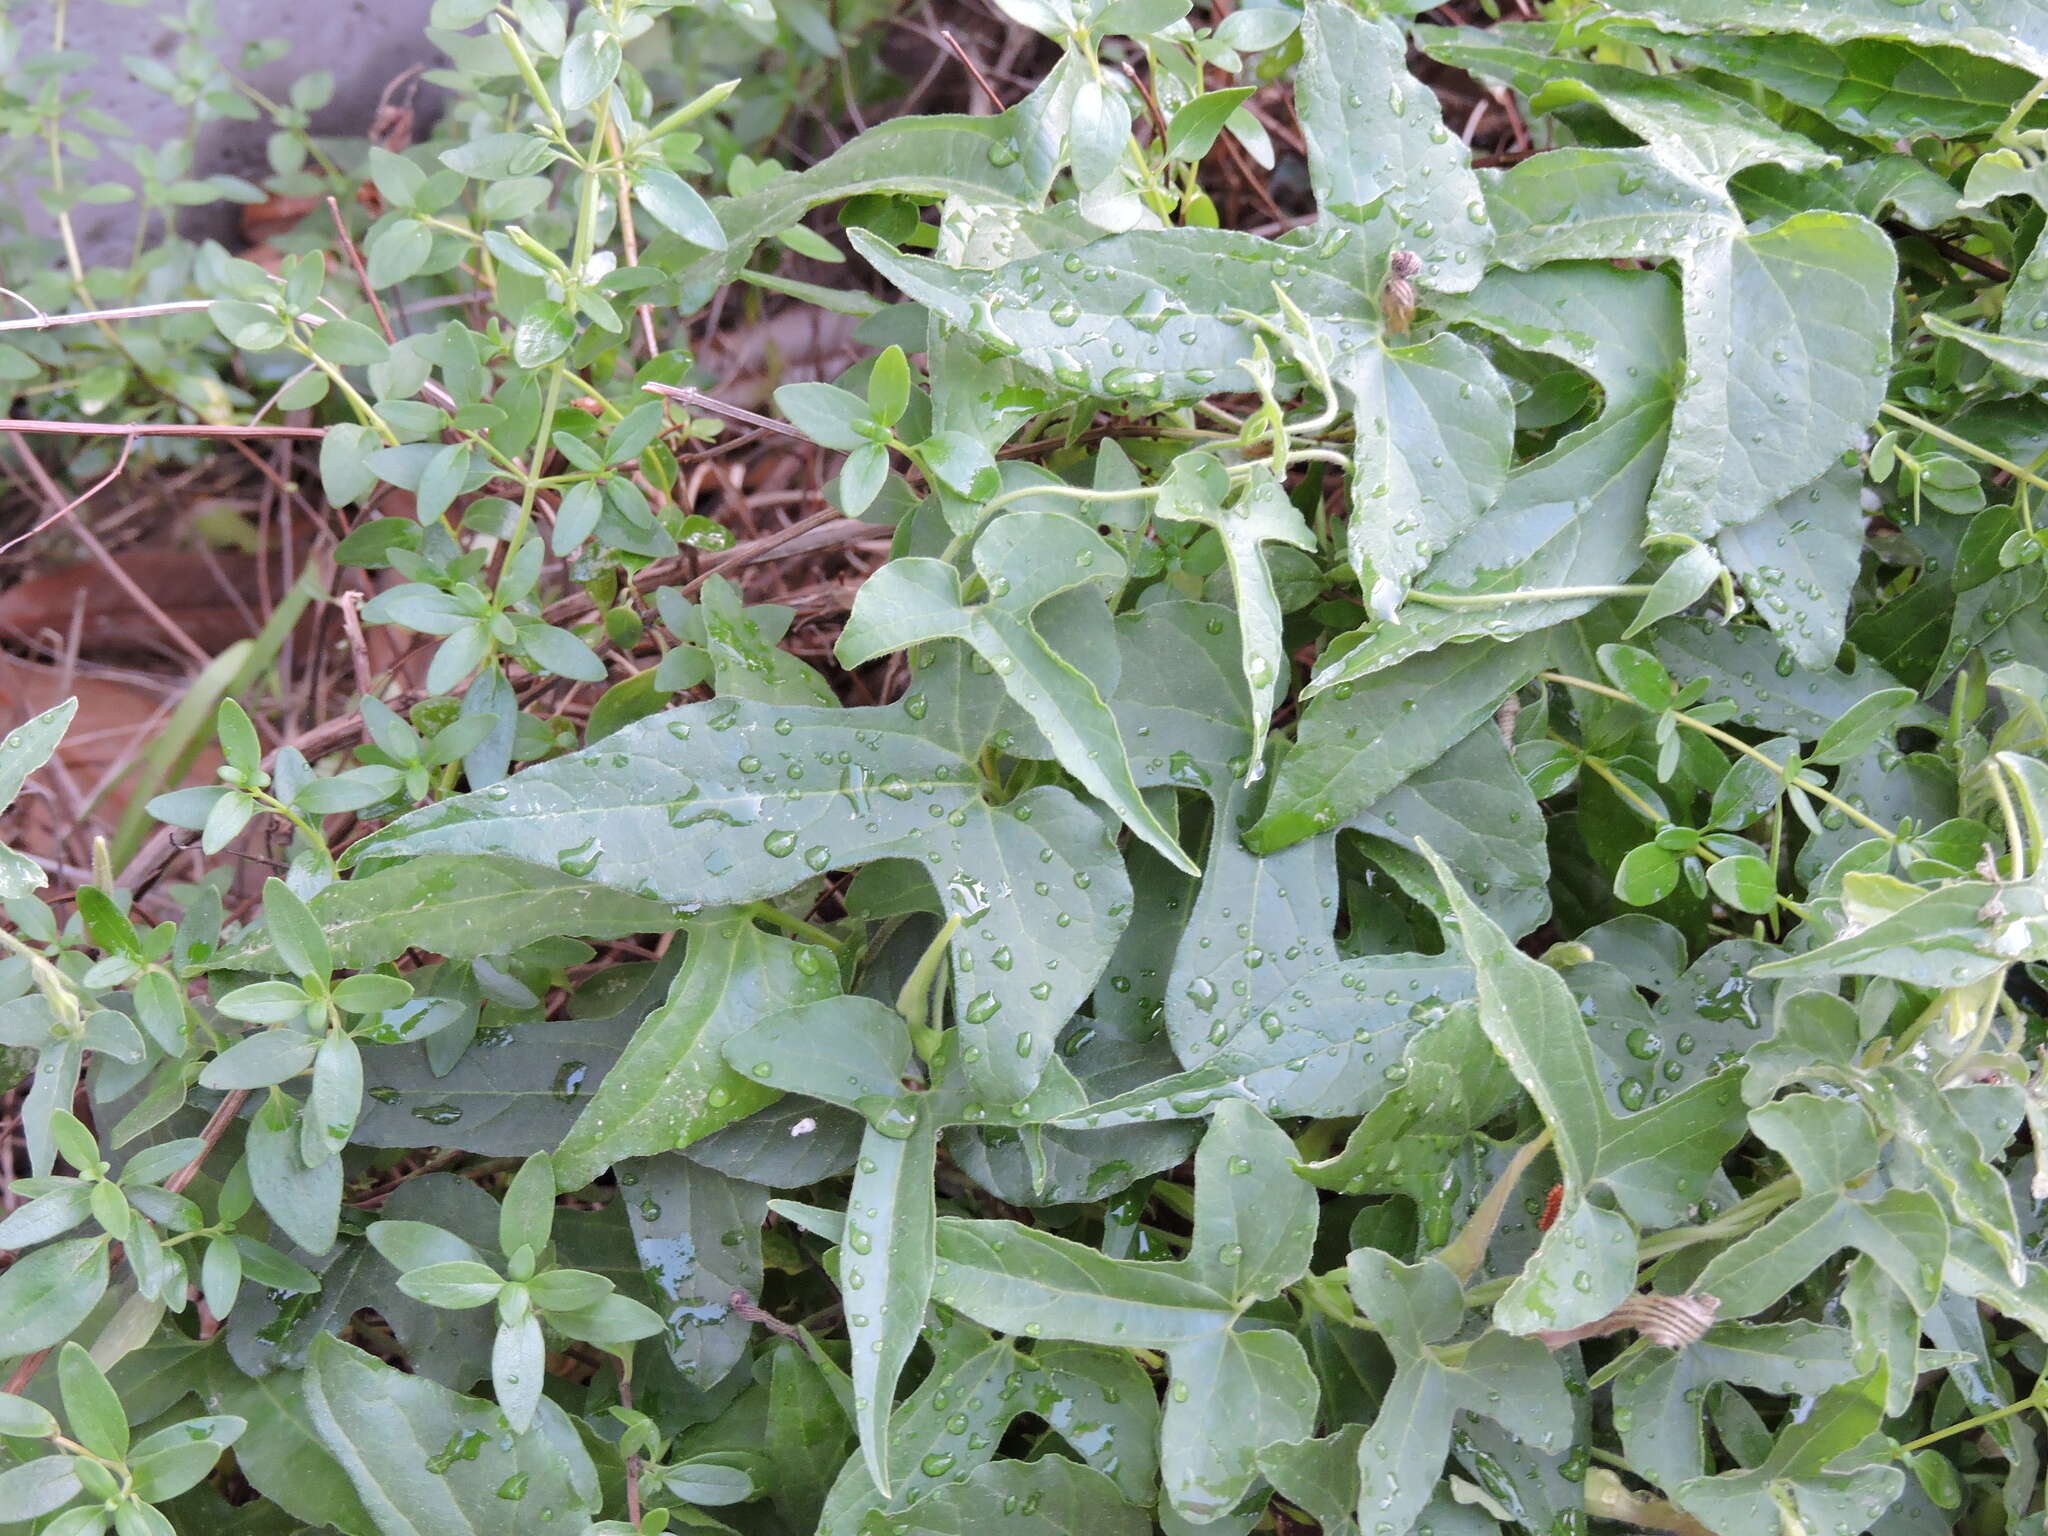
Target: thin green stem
[1525,595]
[2005,130]
[810,933]
[2031,1400]
[1942,434]
[1736,743]
[1614,782]
[1741,1217]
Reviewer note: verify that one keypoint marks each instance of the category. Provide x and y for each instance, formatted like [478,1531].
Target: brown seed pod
[1397,295]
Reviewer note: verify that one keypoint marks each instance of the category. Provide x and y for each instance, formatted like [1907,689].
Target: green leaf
[671,1085]
[697,1233]
[1472,805]
[1049,1497]
[38,1486]
[1571,518]
[1787,330]
[304,1201]
[1863,725]
[1102,1404]
[1659,1395]
[1771,692]
[634,812]
[991,161]
[92,1409]
[1655,1163]
[886,1266]
[1745,882]
[1152,315]
[1797,1480]
[1515,1381]
[2022,355]
[1949,937]
[544,334]
[294,933]
[1380,158]
[258,1061]
[496,1102]
[1434,424]
[25,1420]
[808,1434]
[1828,1142]
[1195,492]
[2007,30]
[1194,127]
[1799,561]
[1026,559]
[528,1212]
[25,749]
[1862,85]
[1256,1216]
[48,1292]
[1260,1004]
[746,659]
[948,1427]
[424,1459]
[829,416]
[850,1051]
[588,66]
[1233,1389]
[1344,761]
[1699,132]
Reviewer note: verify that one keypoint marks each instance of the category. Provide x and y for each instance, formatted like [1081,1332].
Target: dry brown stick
[1982,266]
[99,552]
[683,394]
[148,429]
[631,239]
[946,36]
[1151,102]
[76,502]
[358,647]
[362,272]
[43,322]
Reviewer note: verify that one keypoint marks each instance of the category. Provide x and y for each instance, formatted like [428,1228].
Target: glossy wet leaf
[1416,1307]
[671,1084]
[1153,315]
[697,1234]
[1571,517]
[700,805]
[1029,1498]
[1659,1397]
[1260,514]
[1024,560]
[424,1459]
[1380,156]
[1655,1163]
[1363,740]
[1799,1473]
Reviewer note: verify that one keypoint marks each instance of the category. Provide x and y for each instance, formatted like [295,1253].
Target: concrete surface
[363,42]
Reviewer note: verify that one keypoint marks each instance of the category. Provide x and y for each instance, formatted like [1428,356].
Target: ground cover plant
[1398,883]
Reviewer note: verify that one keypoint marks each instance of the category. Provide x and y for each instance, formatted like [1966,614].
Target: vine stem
[1715,733]
[1942,434]
[41,321]
[1526,595]
[2031,1400]
[148,429]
